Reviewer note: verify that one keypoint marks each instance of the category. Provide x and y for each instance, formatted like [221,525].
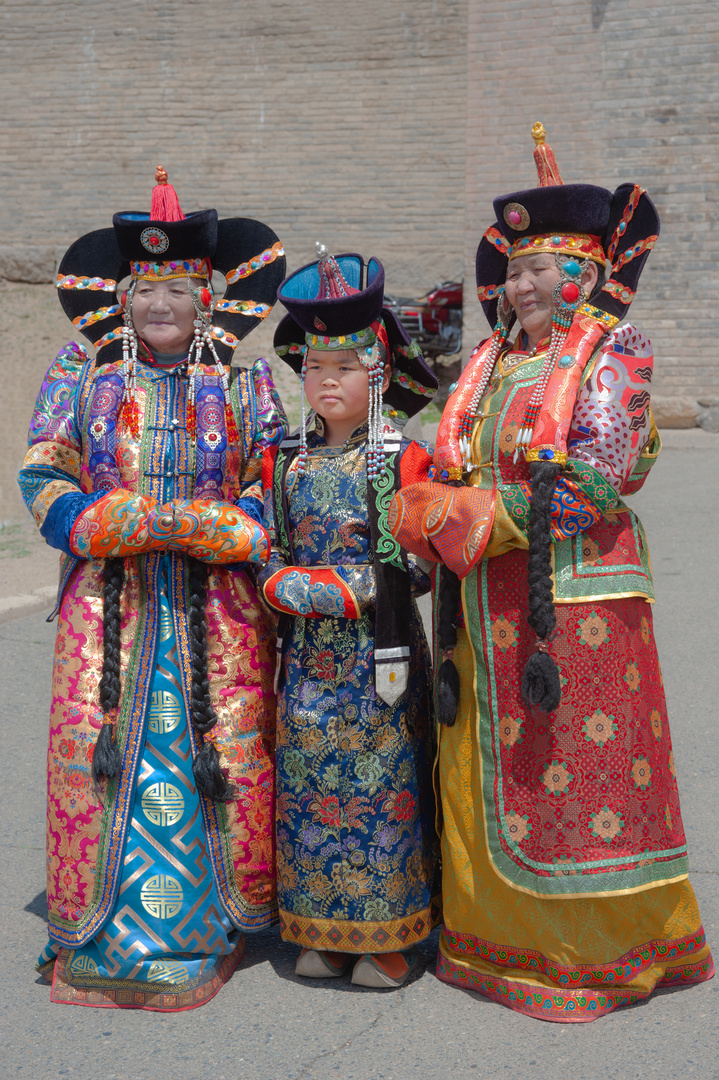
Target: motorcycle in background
[435,323]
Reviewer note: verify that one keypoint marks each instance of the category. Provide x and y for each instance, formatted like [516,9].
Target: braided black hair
[540,681]
[447,619]
[206,767]
[106,758]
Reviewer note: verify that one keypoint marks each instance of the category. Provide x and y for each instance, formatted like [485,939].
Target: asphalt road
[268,1025]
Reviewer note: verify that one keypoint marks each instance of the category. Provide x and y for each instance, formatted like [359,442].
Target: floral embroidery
[632,677]
[594,630]
[590,551]
[517,826]
[641,772]
[644,629]
[510,730]
[668,818]
[672,770]
[504,633]
[557,778]
[607,824]
[599,728]
[655,719]
[564,864]
[508,438]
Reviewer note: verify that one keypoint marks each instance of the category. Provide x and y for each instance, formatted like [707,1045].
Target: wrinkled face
[163,315]
[529,286]
[337,386]
[530,282]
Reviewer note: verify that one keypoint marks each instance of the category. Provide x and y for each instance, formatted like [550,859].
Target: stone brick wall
[331,121]
[626,92]
[386,126]
[343,122]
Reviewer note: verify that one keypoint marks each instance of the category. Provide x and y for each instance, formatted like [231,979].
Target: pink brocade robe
[84,837]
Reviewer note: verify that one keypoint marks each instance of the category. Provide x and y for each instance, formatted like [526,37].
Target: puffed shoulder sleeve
[50,476]
[271,425]
[612,423]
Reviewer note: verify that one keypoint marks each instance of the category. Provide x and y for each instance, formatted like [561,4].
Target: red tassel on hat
[165,205]
[547,168]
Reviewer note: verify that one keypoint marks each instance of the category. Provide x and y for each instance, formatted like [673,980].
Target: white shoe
[313,964]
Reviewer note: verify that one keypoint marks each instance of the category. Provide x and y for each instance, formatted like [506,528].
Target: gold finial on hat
[547,168]
[161,175]
[538,132]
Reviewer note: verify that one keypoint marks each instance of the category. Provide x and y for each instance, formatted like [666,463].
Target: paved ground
[267,1025]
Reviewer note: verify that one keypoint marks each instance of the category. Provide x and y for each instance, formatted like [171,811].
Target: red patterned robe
[565,886]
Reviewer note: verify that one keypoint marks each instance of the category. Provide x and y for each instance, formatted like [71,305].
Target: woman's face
[529,286]
[163,315]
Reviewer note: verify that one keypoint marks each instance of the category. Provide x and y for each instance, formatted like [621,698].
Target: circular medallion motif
[154,240]
[98,428]
[162,804]
[516,216]
[213,439]
[165,711]
[161,896]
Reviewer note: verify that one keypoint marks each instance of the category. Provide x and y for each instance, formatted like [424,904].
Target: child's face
[337,386]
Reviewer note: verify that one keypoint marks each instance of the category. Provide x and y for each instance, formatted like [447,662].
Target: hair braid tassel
[206,766]
[540,680]
[106,757]
[450,602]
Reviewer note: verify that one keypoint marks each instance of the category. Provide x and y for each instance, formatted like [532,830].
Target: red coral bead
[570,292]
[205,297]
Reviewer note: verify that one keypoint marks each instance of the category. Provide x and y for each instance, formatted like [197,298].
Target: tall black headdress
[165,244]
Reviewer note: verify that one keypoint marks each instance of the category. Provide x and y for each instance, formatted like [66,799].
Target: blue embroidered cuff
[252,507]
[63,514]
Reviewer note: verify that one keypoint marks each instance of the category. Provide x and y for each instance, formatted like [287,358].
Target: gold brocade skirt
[554,958]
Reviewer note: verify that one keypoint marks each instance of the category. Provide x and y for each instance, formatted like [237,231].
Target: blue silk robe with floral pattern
[356,843]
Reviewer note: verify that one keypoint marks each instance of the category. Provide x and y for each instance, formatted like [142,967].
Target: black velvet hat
[247,252]
[332,304]
[615,230]
[140,237]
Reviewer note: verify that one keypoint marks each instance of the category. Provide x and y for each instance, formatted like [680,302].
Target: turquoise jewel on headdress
[572,267]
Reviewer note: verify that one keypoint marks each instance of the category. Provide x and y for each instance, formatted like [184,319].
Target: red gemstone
[205,297]
[514,217]
[570,292]
[154,240]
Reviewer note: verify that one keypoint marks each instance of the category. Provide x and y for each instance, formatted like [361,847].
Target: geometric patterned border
[622,970]
[359,937]
[101,993]
[563,1006]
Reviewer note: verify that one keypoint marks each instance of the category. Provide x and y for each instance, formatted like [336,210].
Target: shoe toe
[311,964]
[367,972]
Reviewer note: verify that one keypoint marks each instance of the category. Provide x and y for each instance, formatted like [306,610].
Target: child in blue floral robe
[356,841]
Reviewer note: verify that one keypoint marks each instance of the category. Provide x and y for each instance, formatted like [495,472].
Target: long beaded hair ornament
[166,208]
